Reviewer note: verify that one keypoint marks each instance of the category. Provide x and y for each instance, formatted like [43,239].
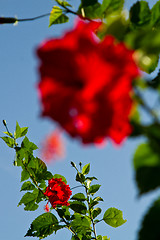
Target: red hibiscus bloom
[58,192]
[86,84]
[52,147]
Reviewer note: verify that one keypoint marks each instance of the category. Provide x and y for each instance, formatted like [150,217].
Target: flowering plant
[93,83]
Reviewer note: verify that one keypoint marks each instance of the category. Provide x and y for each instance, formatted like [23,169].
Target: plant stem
[90,214]
[145,106]
[67,225]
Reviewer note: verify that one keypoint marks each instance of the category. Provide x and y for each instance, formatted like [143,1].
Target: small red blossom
[86,84]
[53,147]
[58,192]
[46,208]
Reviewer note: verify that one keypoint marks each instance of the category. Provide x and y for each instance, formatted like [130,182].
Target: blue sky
[19,102]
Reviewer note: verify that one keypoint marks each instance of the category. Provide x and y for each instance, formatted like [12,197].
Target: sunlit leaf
[86,169]
[94,188]
[9,141]
[57,16]
[114,217]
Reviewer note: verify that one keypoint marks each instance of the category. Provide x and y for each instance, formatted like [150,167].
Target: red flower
[86,84]
[52,147]
[58,192]
[46,208]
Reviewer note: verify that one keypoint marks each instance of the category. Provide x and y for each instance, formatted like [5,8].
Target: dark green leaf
[150,225]
[29,200]
[92,11]
[79,197]
[93,189]
[155,15]
[60,176]
[9,141]
[64,212]
[57,16]
[43,226]
[99,237]
[110,6]
[114,217]
[27,186]
[81,224]
[48,175]
[86,3]
[140,13]
[24,175]
[86,169]
[147,166]
[78,207]
[80,178]
[96,212]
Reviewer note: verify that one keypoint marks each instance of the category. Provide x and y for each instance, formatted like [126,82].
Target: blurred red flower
[86,84]
[47,208]
[52,147]
[58,192]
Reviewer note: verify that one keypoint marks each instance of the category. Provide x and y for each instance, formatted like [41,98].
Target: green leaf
[114,217]
[99,237]
[98,199]
[86,169]
[96,212]
[80,178]
[147,166]
[145,156]
[9,134]
[29,200]
[105,238]
[9,141]
[93,189]
[140,13]
[79,197]
[110,6]
[27,186]
[57,16]
[60,176]
[155,15]
[20,132]
[92,11]
[81,224]
[63,3]
[29,146]
[78,207]
[150,225]
[64,212]
[86,3]
[24,175]
[43,226]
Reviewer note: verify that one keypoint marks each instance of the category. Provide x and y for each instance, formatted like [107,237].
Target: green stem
[67,225]
[90,214]
[145,106]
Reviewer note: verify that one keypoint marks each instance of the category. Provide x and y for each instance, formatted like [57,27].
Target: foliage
[79,215]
